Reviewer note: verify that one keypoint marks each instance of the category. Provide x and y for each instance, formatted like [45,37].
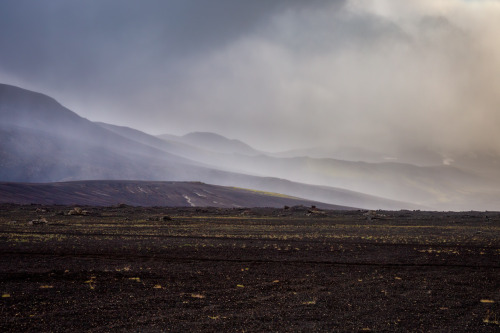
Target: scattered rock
[373,215]
[316,212]
[78,211]
[40,221]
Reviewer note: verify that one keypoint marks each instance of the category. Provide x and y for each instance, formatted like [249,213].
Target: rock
[315,212]
[40,221]
[373,215]
[78,211]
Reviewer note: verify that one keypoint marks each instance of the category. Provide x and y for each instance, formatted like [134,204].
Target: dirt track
[167,269]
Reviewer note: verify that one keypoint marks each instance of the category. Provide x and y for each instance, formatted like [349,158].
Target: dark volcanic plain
[247,270]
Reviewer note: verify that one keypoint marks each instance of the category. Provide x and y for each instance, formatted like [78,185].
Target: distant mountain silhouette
[213,142]
[434,183]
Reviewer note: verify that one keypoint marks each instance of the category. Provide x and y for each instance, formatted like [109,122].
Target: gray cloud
[379,74]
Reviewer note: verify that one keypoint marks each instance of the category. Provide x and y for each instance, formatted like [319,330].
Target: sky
[384,75]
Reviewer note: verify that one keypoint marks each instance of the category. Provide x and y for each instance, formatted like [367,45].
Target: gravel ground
[299,269]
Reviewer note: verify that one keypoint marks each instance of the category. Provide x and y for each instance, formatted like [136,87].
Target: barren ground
[252,270]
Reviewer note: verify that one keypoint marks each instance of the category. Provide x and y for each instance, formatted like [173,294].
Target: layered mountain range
[42,142]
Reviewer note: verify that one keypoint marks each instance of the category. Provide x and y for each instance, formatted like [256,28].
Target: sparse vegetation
[268,269]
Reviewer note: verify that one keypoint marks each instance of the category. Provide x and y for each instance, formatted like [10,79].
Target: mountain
[353,154]
[428,186]
[416,156]
[437,186]
[214,143]
[42,141]
[247,178]
[297,169]
[172,146]
[146,193]
[23,109]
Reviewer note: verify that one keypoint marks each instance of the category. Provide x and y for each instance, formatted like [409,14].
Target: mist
[382,75]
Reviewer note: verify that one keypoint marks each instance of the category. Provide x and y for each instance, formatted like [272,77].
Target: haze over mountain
[437,185]
[391,98]
[42,141]
[387,76]
[215,143]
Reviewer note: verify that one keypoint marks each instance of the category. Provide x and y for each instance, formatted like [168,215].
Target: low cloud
[385,74]
[354,76]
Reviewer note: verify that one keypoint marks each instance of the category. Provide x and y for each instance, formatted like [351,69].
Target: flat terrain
[247,270]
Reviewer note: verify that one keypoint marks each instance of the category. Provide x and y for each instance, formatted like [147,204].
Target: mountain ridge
[74,148]
[213,142]
[65,146]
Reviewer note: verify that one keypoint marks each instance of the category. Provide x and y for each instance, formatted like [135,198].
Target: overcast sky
[382,74]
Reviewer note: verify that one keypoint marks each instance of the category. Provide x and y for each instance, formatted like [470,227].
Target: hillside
[42,141]
[213,142]
[146,193]
[437,186]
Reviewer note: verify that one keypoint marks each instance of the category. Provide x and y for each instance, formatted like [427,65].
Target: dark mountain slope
[33,155]
[146,193]
[26,109]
